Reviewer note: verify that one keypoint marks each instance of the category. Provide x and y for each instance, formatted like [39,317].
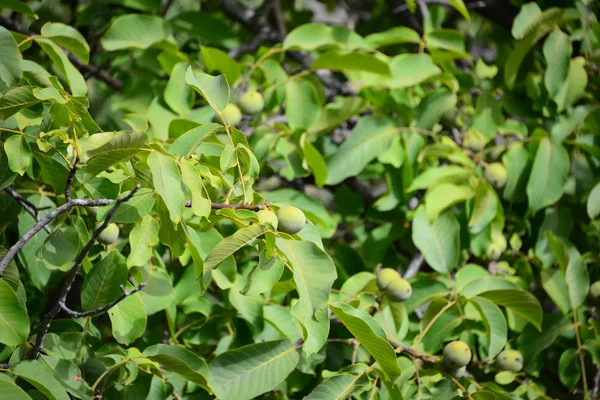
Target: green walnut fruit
[496,174]
[398,290]
[232,114]
[291,219]
[109,235]
[510,360]
[251,102]
[594,293]
[385,276]
[456,373]
[456,354]
[267,216]
[474,140]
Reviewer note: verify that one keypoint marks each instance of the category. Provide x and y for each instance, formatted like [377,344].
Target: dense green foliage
[235,200]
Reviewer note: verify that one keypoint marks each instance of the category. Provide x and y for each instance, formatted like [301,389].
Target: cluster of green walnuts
[250,103]
[456,355]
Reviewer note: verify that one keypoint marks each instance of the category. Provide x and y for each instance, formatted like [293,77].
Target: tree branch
[100,310]
[240,206]
[26,204]
[70,180]
[72,274]
[415,265]
[413,353]
[88,69]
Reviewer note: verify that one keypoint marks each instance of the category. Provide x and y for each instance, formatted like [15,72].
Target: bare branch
[72,274]
[100,310]
[240,206]
[428,358]
[88,69]
[415,265]
[70,180]
[26,204]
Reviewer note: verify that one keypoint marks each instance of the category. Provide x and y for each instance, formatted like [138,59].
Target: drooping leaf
[142,240]
[314,274]
[68,38]
[167,183]
[181,361]
[17,99]
[371,335]
[438,241]
[233,243]
[18,152]
[135,31]
[302,103]
[495,325]
[214,89]
[13,317]
[101,284]
[249,371]
[10,58]
[521,302]
[548,175]
[128,318]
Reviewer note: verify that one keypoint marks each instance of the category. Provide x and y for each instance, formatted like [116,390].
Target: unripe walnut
[109,235]
[267,216]
[496,174]
[251,102]
[456,354]
[398,290]
[474,140]
[385,276]
[291,219]
[594,293]
[456,373]
[510,360]
[232,114]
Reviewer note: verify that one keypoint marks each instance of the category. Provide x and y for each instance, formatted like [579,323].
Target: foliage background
[380,120]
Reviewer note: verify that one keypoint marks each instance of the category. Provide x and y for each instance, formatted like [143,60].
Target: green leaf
[158,294]
[302,107]
[65,67]
[515,160]
[19,7]
[569,370]
[17,99]
[68,38]
[411,69]
[18,153]
[135,31]
[314,274]
[437,175]
[214,89]
[181,361]
[128,318]
[65,372]
[443,322]
[495,325]
[315,161]
[133,210]
[167,183]
[102,283]
[423,290]
[485,284]
[446,39]
[557,51]
[264,276]
[10,58]
[432,107]
[314,35]
[548,175]
[335,113]
[337,61]
[577,278]
[439,241]
[443,196]
[485,207]
[338,387]
[7,177]
[536,30]
[555,285]
[8,387]
[13,317]
[217,60]
[60,248]
[370,138]
[528,14]
[118,147]
[488,115]
[178,95]
[593,202]
[370,335]
[396,35]
[201,206]
[251,370]
[186,144]
[460,6]
[521,302]
[229,245]
[142,240]
[574,85]
[41,377]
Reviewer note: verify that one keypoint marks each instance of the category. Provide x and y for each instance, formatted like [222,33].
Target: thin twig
[413,353]
[240,206]
[72,274]
[415,265]
[26,204]
[100,310]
